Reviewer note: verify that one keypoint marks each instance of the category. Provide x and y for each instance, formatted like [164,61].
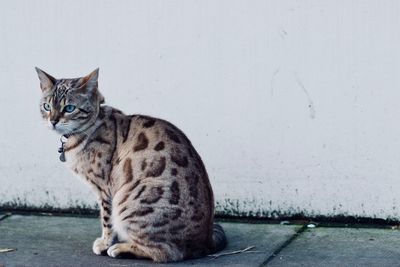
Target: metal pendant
[61,150]
[62,156]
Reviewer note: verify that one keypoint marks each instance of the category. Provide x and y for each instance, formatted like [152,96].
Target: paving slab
[67,241]
[342,247]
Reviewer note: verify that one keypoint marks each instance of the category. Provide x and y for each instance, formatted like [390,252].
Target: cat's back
[145,138]
[162,185]
[158,151]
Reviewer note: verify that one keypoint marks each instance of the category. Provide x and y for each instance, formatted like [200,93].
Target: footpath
[49,240]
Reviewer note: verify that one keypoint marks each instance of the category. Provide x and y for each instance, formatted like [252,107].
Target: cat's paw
[116,250]
[100,246]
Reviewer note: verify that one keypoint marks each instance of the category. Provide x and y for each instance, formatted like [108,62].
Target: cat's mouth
[57,128]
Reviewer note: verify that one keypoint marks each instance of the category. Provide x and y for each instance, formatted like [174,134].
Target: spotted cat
[155,196]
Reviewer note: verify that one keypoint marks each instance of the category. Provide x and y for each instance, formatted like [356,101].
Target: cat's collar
[61,149]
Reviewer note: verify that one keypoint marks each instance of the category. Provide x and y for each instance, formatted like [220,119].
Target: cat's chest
[75,162]
[92,162]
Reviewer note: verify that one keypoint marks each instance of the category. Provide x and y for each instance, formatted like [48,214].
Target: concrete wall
[293,105]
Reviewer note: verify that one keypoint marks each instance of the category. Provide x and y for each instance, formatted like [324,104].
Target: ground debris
[4,250]
[246,250]
[46,214]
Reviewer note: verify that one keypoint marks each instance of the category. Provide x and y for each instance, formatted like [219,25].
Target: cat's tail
[219,238]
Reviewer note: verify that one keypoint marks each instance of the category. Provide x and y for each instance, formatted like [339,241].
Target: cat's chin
[60,131]
[65,133]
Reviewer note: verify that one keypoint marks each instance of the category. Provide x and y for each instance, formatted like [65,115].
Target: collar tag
[61,149]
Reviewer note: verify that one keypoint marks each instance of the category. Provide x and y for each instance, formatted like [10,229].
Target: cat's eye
[46,107]
[69,108]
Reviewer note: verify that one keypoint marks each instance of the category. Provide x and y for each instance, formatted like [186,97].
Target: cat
[154,194]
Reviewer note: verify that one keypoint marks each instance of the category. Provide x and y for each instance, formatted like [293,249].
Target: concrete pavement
[67,241]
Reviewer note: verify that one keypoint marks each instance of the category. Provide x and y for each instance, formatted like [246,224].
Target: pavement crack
[284,245]
[4,216]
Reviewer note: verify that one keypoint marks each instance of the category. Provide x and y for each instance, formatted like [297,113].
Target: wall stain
[272,81]
[311,106]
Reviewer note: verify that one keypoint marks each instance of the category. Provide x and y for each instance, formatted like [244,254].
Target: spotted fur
[153,190]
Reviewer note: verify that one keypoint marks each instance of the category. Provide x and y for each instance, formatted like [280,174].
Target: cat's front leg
[102,243]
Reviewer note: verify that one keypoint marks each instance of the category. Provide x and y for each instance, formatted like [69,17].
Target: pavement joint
[4,216]
[284,245]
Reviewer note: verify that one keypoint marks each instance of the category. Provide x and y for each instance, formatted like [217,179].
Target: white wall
[293,105]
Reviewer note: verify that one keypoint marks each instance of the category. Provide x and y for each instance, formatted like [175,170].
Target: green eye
[69,108]
[46,107]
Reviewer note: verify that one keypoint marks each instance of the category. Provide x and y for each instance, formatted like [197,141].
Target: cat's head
[69,105]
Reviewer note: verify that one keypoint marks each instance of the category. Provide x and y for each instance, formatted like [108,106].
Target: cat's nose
[54,122]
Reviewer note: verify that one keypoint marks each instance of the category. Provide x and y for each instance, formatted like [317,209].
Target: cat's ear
[46,81]
[89,82]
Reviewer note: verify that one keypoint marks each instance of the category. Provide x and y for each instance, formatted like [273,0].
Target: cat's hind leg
[156,253]
[116,250]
